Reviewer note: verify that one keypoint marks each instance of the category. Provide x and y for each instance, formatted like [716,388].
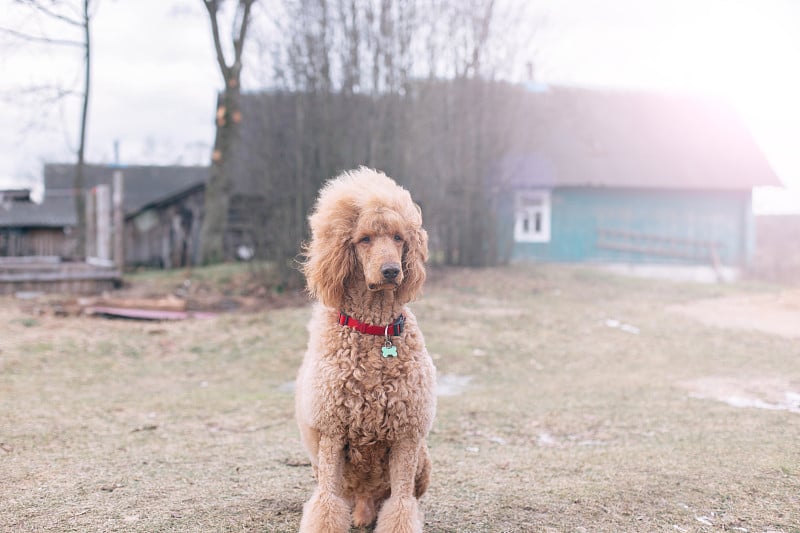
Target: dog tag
[388,350]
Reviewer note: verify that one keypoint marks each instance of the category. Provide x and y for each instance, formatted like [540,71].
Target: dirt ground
[571,400]
[777,313]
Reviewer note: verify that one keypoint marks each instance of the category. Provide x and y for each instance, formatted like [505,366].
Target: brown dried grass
[566,425]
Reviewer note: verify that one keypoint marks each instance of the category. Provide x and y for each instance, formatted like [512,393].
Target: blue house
[630,177]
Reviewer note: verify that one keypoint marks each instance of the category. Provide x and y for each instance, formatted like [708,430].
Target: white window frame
[532,216]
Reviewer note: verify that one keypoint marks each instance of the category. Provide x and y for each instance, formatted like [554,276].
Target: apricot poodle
[365,396]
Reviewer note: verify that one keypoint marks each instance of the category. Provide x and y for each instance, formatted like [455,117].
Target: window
[532,216]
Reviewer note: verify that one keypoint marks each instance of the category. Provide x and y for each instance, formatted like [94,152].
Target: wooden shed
[166,233]
[162,206]
[26,229]
[631,177]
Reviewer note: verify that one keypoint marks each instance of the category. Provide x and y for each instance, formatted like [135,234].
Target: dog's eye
[398,237]
[365,239]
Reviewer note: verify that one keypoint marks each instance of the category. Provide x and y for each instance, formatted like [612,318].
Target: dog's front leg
[326,511]
[401,512]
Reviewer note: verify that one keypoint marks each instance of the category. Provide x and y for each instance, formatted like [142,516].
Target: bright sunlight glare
[744,51]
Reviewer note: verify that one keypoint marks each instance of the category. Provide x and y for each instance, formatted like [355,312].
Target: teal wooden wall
[579,214]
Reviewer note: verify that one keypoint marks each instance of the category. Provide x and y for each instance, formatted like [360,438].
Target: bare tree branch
[50,13]
[43,94]
[212,7]
[40,39]
[481,36]
[238,42]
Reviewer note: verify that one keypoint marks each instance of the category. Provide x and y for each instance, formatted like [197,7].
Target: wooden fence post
[119,220]
[90,238]
[103,224]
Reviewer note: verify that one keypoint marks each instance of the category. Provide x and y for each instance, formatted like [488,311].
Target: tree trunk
[80,202]
[228,118]
[218,187]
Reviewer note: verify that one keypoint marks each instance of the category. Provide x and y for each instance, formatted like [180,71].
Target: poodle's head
[366,233]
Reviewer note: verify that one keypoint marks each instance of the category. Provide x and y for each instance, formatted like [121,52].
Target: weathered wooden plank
[31,267]
[170,303]
[30,259]
[700,254]
[94,286]
[146,314]
[658,238]
[62,275]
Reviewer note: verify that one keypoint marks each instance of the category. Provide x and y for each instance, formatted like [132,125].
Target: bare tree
[228,119]
[78,16]
[408,88]
[80,208]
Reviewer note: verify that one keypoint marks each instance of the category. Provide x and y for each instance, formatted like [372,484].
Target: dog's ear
[330,261]
[414,256]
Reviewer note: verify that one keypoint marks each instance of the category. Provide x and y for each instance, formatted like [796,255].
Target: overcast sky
[155,76]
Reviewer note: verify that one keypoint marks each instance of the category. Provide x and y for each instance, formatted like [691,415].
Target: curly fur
[363,418]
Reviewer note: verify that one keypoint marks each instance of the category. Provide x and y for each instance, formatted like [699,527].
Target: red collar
[392,330]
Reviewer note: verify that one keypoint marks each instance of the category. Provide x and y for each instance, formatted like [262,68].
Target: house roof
[168,200]
[15,195]
[616,138]
[144,185]
[56,213]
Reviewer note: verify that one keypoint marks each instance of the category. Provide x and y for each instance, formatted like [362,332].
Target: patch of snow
[591,442]
[756,403]
[287,387]
[793,398]
[704,520]
[627,328]
[767,394]
[693,273]
[546,439]
[451,384]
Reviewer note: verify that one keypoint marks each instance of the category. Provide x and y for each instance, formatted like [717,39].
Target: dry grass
[566,425]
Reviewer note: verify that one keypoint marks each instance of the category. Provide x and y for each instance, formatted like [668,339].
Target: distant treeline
[440,139]
[405,87]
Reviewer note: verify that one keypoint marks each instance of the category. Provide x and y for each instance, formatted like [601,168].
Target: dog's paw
[400,515]
[325,513]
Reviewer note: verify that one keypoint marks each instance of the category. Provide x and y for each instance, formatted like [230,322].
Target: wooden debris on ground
[169,307]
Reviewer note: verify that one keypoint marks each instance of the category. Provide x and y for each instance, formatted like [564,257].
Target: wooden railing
[696,250]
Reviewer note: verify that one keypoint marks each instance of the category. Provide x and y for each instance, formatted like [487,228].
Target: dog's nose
[390,271]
